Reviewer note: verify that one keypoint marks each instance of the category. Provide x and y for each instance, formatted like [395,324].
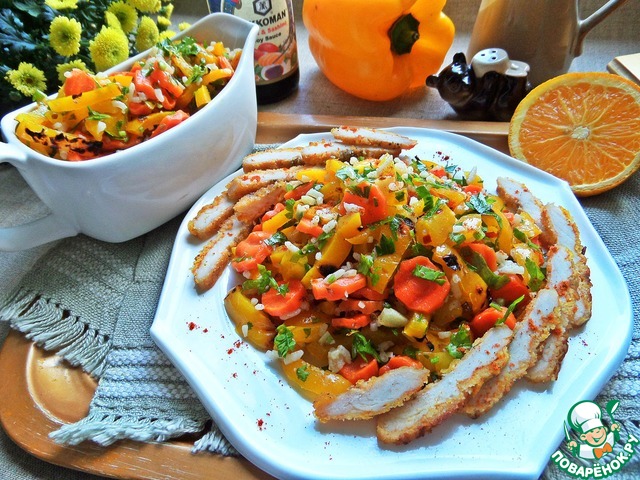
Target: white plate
[273,427]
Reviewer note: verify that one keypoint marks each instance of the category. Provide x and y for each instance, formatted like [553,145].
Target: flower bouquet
[42,40]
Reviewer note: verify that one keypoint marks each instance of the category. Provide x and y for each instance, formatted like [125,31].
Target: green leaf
[510,309]
[262,283]
[536,275]
[386,246]
[459,342]
[481,204]
[302,373]
[430,274]
[362,346]
[479,265]
[277,238]
[284,341]
[365,267]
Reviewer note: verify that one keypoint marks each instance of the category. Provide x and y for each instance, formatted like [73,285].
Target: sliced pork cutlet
[561,277]
[439,400]
[371,137]
[369,398]
[210,217]
[216,254]
[533,328]
[253,181]
[559,228]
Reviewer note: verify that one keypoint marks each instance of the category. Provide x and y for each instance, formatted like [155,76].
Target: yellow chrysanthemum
[183,26]
[112,21]
[148,34]
[126,14]
[163,22]
[67,67]
[167,34]
[62,4]
[64,35]
[109,48]
[146,6]
[167,10]
[27,79]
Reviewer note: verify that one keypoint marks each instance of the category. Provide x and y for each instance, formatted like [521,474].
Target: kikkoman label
[593,447]
[276,51]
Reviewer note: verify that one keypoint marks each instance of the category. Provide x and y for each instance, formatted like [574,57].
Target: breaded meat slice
[210,217]
[560,276]
[531,330]
[559,228]
[216,254]
[251,207]
[369,398]
[372,137]
[439,400]
[253,181]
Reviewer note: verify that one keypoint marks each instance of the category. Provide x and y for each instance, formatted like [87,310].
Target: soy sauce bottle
[276,52]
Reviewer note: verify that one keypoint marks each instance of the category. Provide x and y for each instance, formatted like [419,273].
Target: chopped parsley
[302,373]
[459,342]
[386,246]
[362,346]
[430,274]
[284,342]
[536,275]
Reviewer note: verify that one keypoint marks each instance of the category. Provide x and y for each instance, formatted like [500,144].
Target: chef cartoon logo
[593,446]
[596,440]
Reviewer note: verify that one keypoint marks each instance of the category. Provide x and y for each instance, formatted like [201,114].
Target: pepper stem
[403,34]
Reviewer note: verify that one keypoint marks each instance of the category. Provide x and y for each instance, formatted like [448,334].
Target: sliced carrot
[366,307]
[306,226]
[338,290]
[512,290]
[78,81]
[299,191]
[419,294]
[486,319]
[487,253]
[369,294]
[251,251]
[359,369]
[374,205]
[170,121]
[472,189]
[355,322]
[278,305]
[399,361]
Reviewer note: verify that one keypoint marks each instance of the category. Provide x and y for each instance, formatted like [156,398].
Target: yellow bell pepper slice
[87,99]
[215,75]
[202,96]
[257,325]
[337,248]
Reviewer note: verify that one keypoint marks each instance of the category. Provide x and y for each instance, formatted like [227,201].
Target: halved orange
[582,127]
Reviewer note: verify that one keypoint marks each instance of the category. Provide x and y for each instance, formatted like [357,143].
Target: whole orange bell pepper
[378,49]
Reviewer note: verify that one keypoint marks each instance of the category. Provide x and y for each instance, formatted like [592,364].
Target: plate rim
[529,468]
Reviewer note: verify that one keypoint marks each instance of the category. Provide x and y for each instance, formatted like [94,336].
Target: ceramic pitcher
[547,34]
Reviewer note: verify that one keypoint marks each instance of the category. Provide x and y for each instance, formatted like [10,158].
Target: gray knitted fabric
[94,303]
